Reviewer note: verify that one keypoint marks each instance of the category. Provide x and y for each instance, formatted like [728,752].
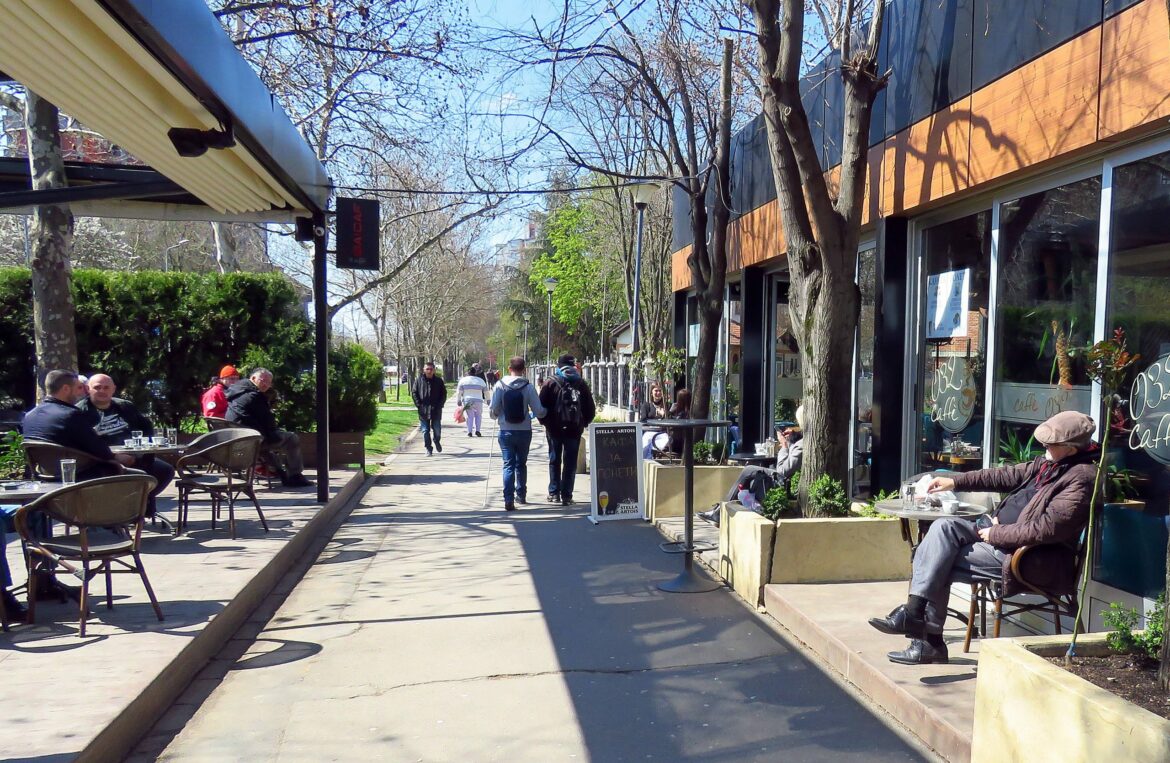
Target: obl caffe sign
[1149,407]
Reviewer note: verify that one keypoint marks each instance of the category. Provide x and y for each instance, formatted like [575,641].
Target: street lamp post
[526,315]
[167,254]
[518,352]
[642,193]
[550,285]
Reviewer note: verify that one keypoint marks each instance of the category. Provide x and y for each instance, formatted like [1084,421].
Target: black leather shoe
[919,653]
[566,500]
[522,500]
[509,506]
[899,623]
[477,434]
[438,446]
[13,607]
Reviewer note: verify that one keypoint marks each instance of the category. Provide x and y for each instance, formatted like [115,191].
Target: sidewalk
[435,628]
[66,696]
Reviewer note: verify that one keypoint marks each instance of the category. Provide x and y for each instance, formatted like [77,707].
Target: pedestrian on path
[470,395]
[429,395]
[512,401]
[569,407]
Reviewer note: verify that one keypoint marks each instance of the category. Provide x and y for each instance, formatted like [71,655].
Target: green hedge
[162,336]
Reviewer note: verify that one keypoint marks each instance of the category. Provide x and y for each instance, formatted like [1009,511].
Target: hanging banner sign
[615,470]
[946,304]
[1149,407]
[358,235]
[1036,403]
[953,390]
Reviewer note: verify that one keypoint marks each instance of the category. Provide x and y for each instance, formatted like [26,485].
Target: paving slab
[68,697]
[435,627]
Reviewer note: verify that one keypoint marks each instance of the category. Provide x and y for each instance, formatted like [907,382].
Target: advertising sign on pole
[358,234]
[615,469]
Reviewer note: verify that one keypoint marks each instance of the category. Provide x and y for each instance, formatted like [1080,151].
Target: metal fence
[609,382]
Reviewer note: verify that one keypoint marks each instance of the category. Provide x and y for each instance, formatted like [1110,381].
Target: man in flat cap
[1046,502]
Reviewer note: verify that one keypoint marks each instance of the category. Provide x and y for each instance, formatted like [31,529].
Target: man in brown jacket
[1046,502]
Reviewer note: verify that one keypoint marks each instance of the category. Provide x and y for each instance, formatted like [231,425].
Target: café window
[1132,546]
[952,358]
[863,389]
[1046,298]
[787,375]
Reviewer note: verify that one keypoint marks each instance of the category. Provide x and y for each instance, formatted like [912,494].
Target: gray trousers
[290,445]
[950,552]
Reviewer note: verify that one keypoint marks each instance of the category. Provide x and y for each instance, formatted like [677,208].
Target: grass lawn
[392,422]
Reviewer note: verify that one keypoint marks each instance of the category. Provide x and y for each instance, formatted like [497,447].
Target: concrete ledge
[745,550]
[831,550]
[1027,709]
[664,487]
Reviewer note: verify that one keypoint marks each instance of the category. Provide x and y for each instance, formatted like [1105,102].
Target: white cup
[950,506]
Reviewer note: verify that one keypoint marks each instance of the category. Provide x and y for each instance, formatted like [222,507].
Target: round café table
[689,580]
[150,450]
[25,491]
[751,459]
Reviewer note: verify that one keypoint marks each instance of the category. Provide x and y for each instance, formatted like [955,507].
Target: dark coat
[64,424]
[248,406]
[1055,518]
[116,423]
[548,398]
[429,395]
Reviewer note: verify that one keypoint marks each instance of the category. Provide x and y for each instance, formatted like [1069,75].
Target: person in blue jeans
[429,395]
[569,407]
[514,402]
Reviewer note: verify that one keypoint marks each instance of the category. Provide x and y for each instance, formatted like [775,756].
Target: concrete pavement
[433,628]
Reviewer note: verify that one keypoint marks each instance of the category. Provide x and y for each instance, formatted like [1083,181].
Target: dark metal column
[755,419]
[321,360]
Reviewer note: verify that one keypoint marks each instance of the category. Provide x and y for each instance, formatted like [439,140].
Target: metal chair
[114,504]
[232,452]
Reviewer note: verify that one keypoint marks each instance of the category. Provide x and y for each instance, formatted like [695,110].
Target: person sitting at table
[12,606]
[214,402]
[1047,502]
[248,406]
[57,420]
[660,440]
[113,419]
[759,479]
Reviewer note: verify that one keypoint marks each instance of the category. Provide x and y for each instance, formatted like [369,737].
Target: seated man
[58,420]
[113,419]
[248,406]
[214,402]
[1047,503]
[760,479]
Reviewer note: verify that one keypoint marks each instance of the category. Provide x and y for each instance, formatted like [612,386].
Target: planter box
[345,448]
[664,487]
[815,550]
[1027,709]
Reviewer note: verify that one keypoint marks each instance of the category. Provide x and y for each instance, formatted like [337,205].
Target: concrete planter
[1027,709]
[754,551]
[664,487]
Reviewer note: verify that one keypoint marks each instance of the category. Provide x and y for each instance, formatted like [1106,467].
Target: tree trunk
[52,243]
[225,248]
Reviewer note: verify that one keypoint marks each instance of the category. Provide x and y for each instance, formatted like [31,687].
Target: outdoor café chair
[114,507]
[271,461]
[232,453]
[44,459]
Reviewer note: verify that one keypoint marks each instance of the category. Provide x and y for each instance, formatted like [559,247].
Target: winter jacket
[214,402]
[470,389]
[552,390]
[531,403]
[248,406]
[1055,517]
[116,422]
[61,423]
[429,395]
[788,460]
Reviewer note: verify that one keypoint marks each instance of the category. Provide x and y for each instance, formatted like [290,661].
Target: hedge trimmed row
[162,336]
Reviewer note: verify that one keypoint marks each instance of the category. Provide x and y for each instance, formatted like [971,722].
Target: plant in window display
[1107,362]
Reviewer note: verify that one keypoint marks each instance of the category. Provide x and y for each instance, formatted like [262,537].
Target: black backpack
[514,404]
[567,408]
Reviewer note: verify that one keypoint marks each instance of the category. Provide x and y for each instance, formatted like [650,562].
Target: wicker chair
[44,459]
[272,461]
[232,453]
[115,504]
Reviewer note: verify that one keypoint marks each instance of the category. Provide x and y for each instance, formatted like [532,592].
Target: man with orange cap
[215,402]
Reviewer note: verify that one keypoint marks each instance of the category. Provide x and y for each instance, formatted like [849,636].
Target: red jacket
[214,402]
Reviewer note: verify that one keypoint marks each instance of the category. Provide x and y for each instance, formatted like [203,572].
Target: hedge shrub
[162,336]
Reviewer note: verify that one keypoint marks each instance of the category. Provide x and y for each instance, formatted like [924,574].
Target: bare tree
[821,224]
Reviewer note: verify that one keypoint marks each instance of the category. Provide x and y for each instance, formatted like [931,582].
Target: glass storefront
[787,381]
[863,375]
[955,288]
[1046,298]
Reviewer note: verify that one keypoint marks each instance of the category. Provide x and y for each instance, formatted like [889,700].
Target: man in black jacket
[248,406]
[57,420]
[569,402]
[429,395]
[113,419]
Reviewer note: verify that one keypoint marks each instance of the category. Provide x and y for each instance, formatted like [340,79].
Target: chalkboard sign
[1149,407]
[615,468]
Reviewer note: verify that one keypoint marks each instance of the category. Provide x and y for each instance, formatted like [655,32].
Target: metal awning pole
[321,361]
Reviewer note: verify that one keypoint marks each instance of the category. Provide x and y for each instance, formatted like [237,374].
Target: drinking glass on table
[68,471]
[158,441]
[172,436]
[137,435]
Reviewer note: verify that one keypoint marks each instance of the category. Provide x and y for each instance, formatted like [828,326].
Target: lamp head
[643,193]
[527,315]
[192,142]
[550,284]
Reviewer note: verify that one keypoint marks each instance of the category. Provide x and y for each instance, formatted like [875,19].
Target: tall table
[688,581]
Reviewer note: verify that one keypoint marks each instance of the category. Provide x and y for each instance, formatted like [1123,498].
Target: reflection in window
[788,381]
[863,434]
[957,257]
[1046,301]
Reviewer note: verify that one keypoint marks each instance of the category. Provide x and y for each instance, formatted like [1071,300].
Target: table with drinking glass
[752,459]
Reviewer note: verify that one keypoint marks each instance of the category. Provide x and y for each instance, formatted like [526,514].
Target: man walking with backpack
[512,399]
[570,408]
[429,395]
